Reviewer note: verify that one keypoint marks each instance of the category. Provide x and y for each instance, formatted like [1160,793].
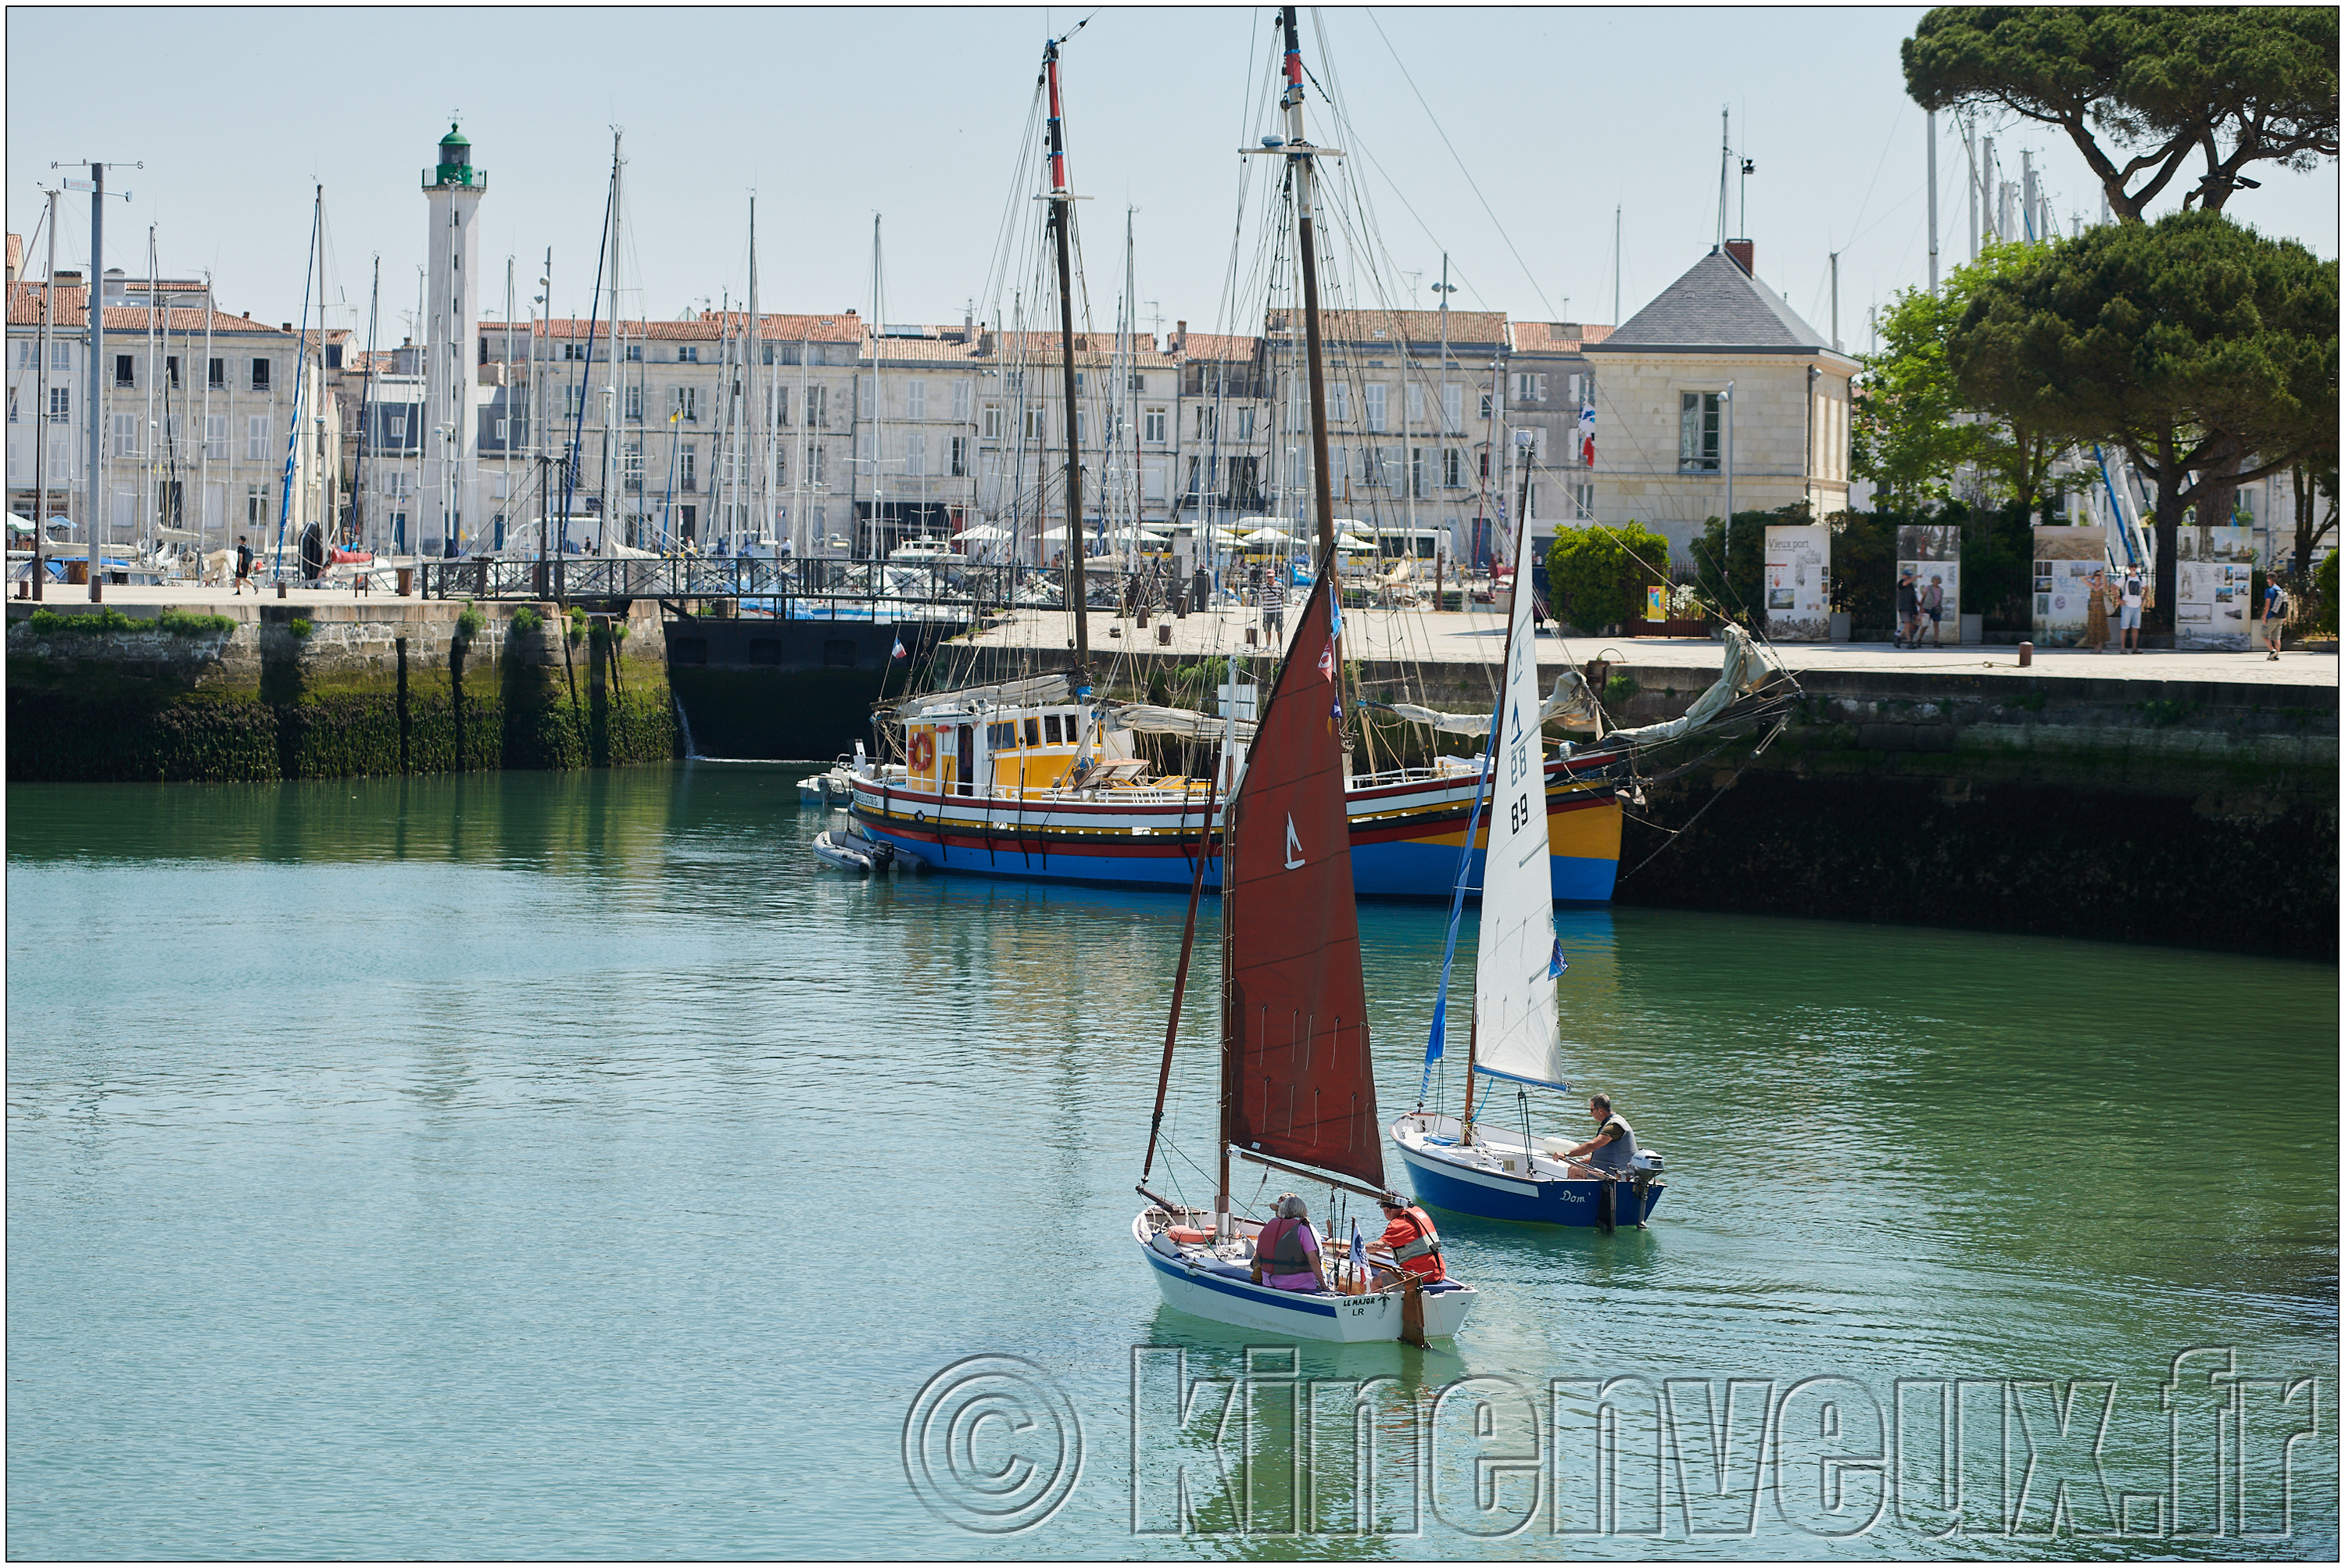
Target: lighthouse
[451,432]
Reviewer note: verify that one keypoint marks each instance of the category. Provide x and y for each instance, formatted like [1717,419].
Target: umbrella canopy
[1266,536]
[985,534]
[1352,544]
[19,525]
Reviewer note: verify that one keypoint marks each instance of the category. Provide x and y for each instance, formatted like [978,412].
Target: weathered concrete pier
[189,685]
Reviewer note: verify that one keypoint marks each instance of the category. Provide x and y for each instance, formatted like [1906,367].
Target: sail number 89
[1520,815]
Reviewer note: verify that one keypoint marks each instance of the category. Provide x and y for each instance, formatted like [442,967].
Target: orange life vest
[1419,1251]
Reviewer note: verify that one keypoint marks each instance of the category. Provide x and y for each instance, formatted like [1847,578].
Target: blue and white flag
[1555,964]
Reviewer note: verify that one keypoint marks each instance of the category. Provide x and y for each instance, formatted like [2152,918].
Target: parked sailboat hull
[1404,837]
[1488,1193]
[1345,1320]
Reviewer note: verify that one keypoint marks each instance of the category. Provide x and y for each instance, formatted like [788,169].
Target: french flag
[900,652]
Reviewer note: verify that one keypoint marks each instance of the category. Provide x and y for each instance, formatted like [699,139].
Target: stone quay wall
[2196,812]
[306,691]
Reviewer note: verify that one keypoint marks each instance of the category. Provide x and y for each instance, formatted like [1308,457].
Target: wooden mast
[1300,153]
[1062,214]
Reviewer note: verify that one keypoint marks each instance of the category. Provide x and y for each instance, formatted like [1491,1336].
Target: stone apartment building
[1129,412]
[694,408]
[198,405]
[1662,438]
[1549,387]
[1415,420]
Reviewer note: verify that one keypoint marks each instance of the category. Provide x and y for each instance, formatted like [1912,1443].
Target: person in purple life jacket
[1287,1255]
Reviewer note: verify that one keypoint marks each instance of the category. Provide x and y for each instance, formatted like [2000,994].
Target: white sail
[1514,978]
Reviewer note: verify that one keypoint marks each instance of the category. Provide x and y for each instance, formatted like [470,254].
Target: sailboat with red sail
[1297,1091]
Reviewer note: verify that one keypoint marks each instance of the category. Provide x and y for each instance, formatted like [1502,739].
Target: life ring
[923,751]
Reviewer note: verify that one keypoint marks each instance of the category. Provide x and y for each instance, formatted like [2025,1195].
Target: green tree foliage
[2206,350]
[1598,575]
[1998,565]
[1864,563]
[1912,426]
[2237,85]
[2324,584]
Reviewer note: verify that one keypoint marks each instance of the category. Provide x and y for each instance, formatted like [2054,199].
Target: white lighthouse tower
[451,385]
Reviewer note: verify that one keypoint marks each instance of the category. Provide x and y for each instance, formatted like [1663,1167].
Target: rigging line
[1468,173]
[1895,120]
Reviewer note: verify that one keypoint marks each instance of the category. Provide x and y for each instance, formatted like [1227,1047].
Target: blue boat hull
[1430,871]
[1490,1194]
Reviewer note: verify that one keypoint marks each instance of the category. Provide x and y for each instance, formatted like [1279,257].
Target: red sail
[1295,1071]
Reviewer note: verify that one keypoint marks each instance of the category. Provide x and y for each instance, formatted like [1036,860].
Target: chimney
[1180,337]
[1741,250]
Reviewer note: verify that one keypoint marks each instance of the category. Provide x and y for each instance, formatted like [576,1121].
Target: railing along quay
[807,589]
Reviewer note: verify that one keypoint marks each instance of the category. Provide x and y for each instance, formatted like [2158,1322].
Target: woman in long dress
[2097,616]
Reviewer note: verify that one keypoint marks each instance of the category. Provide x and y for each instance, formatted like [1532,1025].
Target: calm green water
[536,1165]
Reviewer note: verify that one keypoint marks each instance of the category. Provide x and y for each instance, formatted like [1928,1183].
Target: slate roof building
[1661,421]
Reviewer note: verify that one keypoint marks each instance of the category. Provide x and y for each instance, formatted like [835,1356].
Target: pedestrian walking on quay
[1274,605]
[2096,614]
[1934,605]
[2275,613]
[1909,611]
[2129,615]
[243,563]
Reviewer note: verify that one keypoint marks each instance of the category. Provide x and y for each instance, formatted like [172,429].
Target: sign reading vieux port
[2067,562]
[1798,560]
[2214,588]
[1935,555]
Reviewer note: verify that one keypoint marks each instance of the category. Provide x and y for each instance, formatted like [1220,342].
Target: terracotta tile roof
[924,350]
[1364,327]
[1221,346]
[1093,351]
[1555,337]
[15,253]
[708,327]
[25,310]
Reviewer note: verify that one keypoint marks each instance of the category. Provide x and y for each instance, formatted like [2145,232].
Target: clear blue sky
[832,115]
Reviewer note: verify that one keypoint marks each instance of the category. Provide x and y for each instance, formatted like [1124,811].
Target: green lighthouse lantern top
[454,170]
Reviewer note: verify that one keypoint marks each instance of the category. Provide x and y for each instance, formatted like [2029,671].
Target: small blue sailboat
[1493,1167]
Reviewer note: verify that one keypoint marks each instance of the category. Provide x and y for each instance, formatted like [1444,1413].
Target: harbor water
[565,1165]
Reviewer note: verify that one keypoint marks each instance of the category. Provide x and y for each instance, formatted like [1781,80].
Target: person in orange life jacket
[1612,1150]
[1286,1254]
[1414,1245]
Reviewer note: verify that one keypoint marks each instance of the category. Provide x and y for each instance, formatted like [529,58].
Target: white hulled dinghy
[1492,1171]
